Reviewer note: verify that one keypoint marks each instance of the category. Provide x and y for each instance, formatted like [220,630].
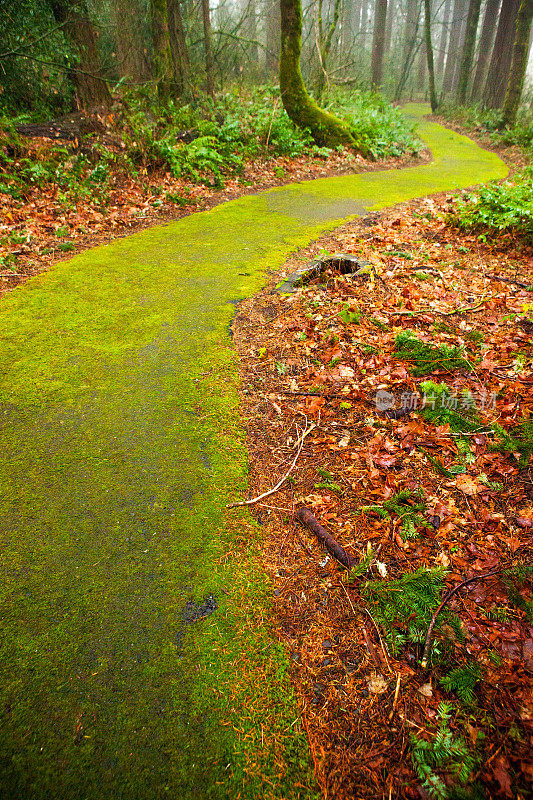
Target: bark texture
[208,47]
[517,74]
[91,88]
[486,41]
[161,66]
[325,128]
[131,57]
[500,62]
[454,45]
[429,55]
[378,42]
[273,29]
[178,47]
[467,60]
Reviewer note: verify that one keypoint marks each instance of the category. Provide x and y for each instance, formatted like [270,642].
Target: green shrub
[441,408]
[499,208]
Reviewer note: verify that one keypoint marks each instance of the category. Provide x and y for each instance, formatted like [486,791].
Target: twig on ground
[305,516]
[396,693]
[280,483]
[427,643]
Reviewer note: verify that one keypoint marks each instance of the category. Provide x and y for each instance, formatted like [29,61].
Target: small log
[306,518]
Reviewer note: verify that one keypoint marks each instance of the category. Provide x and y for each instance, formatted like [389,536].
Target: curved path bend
[120,446]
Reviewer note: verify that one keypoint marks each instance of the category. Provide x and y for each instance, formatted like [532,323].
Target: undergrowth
[202,142]
[441,407]
[499,208]
[519,441]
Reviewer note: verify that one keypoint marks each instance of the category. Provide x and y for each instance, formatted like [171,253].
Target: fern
[513,579]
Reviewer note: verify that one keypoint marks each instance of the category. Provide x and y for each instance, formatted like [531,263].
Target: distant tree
[517,74]
[325,128]
[454,45]
[410,37]
[90,86]
[325,34]
[474,8]
[429,55]
[486,41]
[502,53]
[444,36]
[378,42]
[273,27]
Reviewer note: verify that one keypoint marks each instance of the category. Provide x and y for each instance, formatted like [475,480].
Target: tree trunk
[388,28]
[130,53]
[468,49]
[304,112]
[91,88]
[502,53]
[422,67]
[517,74]
[178,47]
[364,22]
[273,28]
[378,42]
[486,40]
[429,55]
[208,48]
[444,37]
[161,57]
[454,46]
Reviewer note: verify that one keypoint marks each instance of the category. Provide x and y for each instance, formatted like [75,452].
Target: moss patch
[120,448]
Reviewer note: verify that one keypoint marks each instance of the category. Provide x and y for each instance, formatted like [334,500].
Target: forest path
[119,448]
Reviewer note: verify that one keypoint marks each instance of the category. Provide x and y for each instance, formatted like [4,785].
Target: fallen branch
[280,483]
[305,517]
[520,284]
[427,643]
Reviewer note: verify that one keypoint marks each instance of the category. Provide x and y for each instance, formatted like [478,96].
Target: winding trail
[120,446]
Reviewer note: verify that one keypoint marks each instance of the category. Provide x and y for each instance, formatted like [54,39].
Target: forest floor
[312,363]
[323,362]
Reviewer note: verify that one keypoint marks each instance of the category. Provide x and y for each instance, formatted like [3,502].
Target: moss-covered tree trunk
[467,59]
[91,88]
[325,128]
[429,55]
[519,64]
[161,63]
[486,41]
[378,42]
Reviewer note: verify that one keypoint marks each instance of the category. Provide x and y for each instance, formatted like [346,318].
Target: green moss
[120,448]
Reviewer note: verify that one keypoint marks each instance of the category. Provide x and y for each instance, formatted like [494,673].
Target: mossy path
[120,447]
